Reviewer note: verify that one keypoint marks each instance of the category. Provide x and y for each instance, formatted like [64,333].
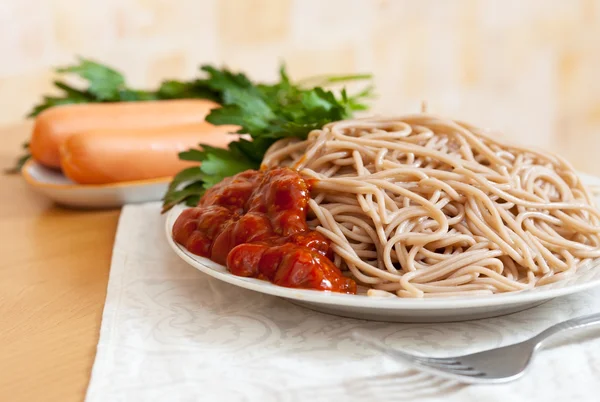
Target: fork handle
[575,323]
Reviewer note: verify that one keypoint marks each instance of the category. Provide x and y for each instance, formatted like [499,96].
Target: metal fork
[488,367]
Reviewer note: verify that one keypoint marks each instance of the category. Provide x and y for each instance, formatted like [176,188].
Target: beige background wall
[528,67]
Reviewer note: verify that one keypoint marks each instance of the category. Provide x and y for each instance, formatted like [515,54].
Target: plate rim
[365,302]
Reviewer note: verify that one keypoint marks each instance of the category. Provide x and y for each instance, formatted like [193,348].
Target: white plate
[400,309]
[56,186]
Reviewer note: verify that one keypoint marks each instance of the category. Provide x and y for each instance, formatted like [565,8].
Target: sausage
[53,126]
[111,156]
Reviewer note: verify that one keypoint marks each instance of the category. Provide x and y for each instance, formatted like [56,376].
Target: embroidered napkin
[172,333]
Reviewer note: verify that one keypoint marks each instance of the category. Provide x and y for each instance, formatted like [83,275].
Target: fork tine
[437,361]
[463,371]
[449,363]
[472,372]
[453,366]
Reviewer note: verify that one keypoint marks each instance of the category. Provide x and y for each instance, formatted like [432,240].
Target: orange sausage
[110,156]
[53,126]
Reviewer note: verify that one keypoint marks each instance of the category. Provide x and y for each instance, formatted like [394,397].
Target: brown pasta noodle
[422,206]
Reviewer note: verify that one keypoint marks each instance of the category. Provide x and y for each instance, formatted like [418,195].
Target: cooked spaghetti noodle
[422,206]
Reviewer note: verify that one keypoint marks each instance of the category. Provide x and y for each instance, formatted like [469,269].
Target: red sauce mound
[255,223]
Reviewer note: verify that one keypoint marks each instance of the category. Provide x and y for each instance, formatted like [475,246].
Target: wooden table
[53,274]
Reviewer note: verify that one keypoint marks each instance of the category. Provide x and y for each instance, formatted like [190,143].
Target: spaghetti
[422,206]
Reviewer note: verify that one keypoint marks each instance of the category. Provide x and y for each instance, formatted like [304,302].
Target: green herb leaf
[172,89]
[74,93]
[253,150]
[185,176]
[217,163]
[104,85]
[189,194]
[132,95]
[104,82]
[50,101]
[221,80]
[220,163]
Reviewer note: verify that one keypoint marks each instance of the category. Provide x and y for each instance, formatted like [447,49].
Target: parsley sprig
[267,113]
[105,84]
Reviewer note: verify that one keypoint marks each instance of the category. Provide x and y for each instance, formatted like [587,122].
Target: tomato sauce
[255,224]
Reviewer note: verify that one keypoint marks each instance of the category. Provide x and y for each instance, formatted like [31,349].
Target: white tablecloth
[171,333]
